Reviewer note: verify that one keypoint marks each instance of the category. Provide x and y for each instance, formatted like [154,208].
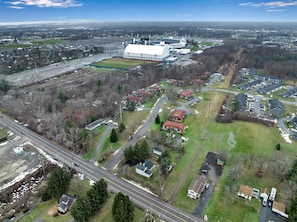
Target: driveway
[213,173]
[267,215]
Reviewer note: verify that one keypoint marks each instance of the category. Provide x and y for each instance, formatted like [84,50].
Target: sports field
[121,63]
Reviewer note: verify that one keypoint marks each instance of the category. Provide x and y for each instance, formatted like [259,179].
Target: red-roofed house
[143,94]
[174,126]
[137,100]
[156,88]
[198,82]
[177,115]
[185,94]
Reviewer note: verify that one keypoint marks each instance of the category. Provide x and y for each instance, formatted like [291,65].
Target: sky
[16,11]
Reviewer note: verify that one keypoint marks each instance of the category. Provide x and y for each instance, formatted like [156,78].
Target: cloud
[44,3]
[275,4]
[16,7]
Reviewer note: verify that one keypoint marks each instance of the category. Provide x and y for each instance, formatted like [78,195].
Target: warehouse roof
[145,49]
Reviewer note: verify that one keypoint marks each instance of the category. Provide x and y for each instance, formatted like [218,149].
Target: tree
[99,84]
[113,136]
[164,162]
[62,97]
[88,205]
[157,119]
[143,152]
[57,184]
[278,147]
[122,208]
[122,127]
[129,153]
[293,211]
[81,211]
[119,88]
[4,86]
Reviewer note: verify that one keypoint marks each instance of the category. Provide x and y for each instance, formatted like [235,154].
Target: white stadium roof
[146,49]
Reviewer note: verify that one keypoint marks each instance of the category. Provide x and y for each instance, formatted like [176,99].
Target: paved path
[101,141]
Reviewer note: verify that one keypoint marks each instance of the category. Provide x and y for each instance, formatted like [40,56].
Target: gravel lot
[14,165]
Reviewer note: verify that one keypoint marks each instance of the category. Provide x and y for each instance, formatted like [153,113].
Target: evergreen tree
[122,127]
[82,209]
[157,119]
[122,208]
[113,136]
[62,97]
[144,151]
[293,211]
[129,153]
[58,183]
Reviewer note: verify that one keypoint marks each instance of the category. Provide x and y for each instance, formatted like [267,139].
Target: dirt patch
[53,211]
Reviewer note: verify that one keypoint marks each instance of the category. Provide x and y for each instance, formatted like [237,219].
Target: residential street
[114,161]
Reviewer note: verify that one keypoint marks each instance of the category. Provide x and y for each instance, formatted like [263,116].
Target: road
[50,71]
[140,197]
[114,161]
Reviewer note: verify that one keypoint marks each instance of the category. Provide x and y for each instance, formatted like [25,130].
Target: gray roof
[276,107]
[248,85]
[149,164]
[94,124]
[269,88]
[290,92]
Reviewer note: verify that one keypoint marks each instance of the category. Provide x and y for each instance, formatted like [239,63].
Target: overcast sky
[152,10]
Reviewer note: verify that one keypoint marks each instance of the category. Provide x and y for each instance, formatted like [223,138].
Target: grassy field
[120,63]
[100,130]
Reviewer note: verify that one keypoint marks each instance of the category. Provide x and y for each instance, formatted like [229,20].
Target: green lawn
[120,63]
[99,131]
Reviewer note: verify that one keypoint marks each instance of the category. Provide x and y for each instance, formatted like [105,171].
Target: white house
[158,151]
[145,169]
[197,186]
[146,52]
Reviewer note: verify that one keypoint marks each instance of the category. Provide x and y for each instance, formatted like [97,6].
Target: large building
[146,52]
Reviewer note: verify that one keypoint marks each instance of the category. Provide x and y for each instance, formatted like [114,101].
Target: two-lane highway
[138,196]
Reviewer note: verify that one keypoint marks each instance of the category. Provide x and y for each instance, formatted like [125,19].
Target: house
[264,193]
[174,126]
[245,192]
[270,88]
[137,100]
[294,122]
[290,93]
[250,85]
[186,94]
[177,115]
[197,82]
[197,186]
[145,169]
[276,107]
[65,203]
[175,82]
[158,151]
[279,208]
[143,94]
[156,88]
[94,124]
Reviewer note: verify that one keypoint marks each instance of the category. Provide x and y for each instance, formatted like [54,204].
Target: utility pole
[121,113]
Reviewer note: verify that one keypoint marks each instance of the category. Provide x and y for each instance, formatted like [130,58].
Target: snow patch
[139,186]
